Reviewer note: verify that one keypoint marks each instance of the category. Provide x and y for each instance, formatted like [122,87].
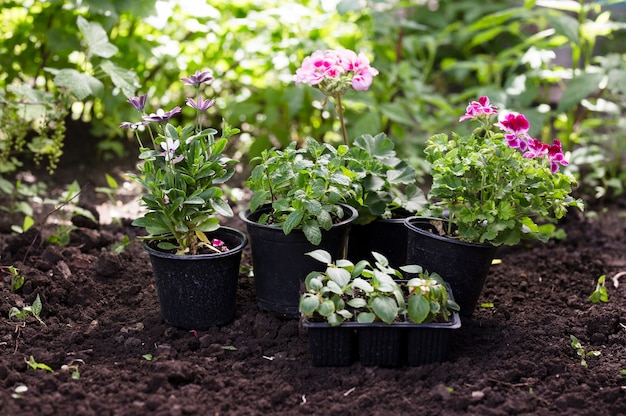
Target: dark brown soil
[515,358]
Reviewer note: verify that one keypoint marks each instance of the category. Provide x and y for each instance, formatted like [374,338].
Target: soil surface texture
[512,357]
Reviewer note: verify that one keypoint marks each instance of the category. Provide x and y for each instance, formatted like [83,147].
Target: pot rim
[229,230]
[244,215]
[408,223]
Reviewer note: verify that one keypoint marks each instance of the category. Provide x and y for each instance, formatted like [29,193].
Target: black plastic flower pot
[429,343]
[200,291]
[381,345]
[280,263]
[463,265]
[330,346]
[385,236]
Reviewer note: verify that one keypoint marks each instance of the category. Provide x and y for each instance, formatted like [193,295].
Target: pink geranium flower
[478,109]
[555,155]
[334,72]
[516,128]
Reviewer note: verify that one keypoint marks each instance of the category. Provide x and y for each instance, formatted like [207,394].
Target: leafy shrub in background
[547,58]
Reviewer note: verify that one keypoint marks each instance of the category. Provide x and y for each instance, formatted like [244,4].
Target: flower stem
[341,120]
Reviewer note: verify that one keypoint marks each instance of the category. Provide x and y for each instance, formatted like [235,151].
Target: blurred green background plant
[560,62]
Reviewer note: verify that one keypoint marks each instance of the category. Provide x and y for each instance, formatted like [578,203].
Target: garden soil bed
[513,357]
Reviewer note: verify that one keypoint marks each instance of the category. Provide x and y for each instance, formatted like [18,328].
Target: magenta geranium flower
[555,155]
[478,109]
[516,130]
[536,149]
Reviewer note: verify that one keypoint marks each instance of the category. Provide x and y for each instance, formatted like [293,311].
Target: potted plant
[296,206]
[496,185]
[385,187]
[386,192]
[195,260]
[388,318]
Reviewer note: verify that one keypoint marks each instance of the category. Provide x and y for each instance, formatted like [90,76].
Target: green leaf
[578,89]
[124,79]
[334,287]
[379,146]
[321,256]
[308,304]
[418,308]
[80,84]
[96,37]
[338,275]
[292,221]
[37,306]
[357,303]
[326,308]
[362,284]
[111,182]
[365,317]
[565,25]
[385,308]
[221,207]
[312,233]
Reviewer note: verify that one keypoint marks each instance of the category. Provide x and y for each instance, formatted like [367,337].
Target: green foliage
[549,59]
[121,245]
[17,279]
[23,313]
[66,207]
[34,365]
[110,189]
[384,184]
[305,187]
[182,175]
[366,293]
[580,350]
[491,192]
[599,294]
[184,197]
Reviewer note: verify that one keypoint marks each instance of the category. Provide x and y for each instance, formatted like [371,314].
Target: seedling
[578,346]
[66,209]
[599,294]
[37,366]
[17,279]
[34,310]
[147,357]
[109,190]
[73,367]
[121,245]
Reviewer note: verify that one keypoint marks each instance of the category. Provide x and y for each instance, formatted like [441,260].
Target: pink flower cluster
[335,65]
[515,127]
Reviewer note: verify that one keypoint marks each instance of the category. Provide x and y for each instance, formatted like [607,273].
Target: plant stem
[341,120]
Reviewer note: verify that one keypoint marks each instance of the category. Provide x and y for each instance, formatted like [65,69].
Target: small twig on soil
[509,384]
[616,278]
[17,338]
[349,391]
[40,225]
